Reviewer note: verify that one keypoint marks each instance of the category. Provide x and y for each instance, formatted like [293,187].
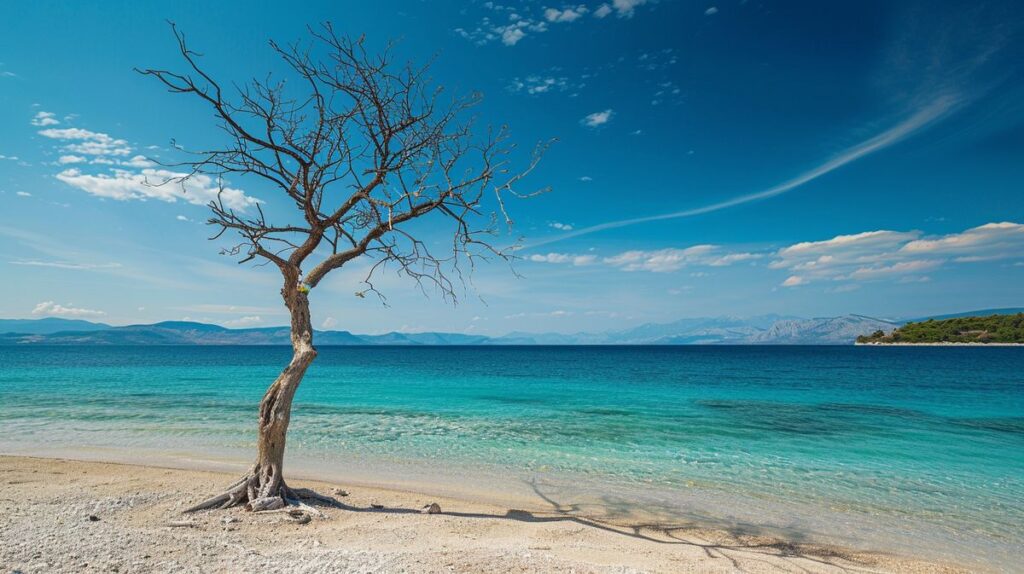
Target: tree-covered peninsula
[990,329]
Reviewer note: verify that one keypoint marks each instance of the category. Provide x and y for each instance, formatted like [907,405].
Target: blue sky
[718,157]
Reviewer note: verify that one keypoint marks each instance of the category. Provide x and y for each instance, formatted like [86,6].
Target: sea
[902,449]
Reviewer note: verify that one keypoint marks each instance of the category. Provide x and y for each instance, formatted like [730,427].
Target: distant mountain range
[760,330]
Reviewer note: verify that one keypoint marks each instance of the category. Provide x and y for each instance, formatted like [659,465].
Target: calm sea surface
[899,448]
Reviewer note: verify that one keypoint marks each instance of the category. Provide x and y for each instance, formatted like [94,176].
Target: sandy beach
[70,516]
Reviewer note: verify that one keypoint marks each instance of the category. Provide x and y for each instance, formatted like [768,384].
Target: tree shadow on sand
[745,547]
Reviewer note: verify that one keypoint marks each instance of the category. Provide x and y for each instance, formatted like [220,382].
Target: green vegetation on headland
[990,329]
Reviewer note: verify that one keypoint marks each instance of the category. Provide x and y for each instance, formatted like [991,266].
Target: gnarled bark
[263,486]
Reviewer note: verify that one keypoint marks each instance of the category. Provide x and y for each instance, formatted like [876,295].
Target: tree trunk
[263,486]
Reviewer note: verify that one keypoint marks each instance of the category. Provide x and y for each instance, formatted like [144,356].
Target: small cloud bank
[52,309]
[903,255]
[160,184]
[124,175]
[44,119]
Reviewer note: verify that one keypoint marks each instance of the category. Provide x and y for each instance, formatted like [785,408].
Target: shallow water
[896,448]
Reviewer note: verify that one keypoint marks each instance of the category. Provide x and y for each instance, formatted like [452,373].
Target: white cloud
[671,259]
[570,14]
[586,178]
[66,265]
[66,159]
[51,309]
[560,226]
[159,184]
[247,321]
[876,255]
[597,118]
[731,258]
[182,218]
[23,194]
[793,281]
[854,248]
[330,323]
[89,142]
[556,313]
[10,157]
[657,261]
[625,8]
[711,11]
[901,268]
[576,260]
[511,36]
[602,11]
[539,84]
[44,119]
[138,161]
[989,241]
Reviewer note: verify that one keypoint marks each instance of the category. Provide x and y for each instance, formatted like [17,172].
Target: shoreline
[135,504]
[943,344]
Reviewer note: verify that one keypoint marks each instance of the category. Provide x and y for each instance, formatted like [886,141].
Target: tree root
[247,491]
[256,490]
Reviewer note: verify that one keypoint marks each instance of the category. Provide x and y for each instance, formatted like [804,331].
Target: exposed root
[256,490]
[267,498]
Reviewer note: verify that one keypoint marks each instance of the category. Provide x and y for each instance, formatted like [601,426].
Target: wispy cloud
[598,118]
[656,261]
[247,321]
[576,260]
[52,309]
[671,259]
[66,265]
[920,120]
[511,23]
[224,309]
[536,85]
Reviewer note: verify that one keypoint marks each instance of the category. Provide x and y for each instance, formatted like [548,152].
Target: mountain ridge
[771,329]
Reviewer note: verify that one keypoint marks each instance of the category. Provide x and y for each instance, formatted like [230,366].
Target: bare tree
[360,148]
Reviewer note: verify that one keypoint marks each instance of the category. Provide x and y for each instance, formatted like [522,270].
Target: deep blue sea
[899,448]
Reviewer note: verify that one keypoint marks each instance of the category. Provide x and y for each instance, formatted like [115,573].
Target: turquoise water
[866,444]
